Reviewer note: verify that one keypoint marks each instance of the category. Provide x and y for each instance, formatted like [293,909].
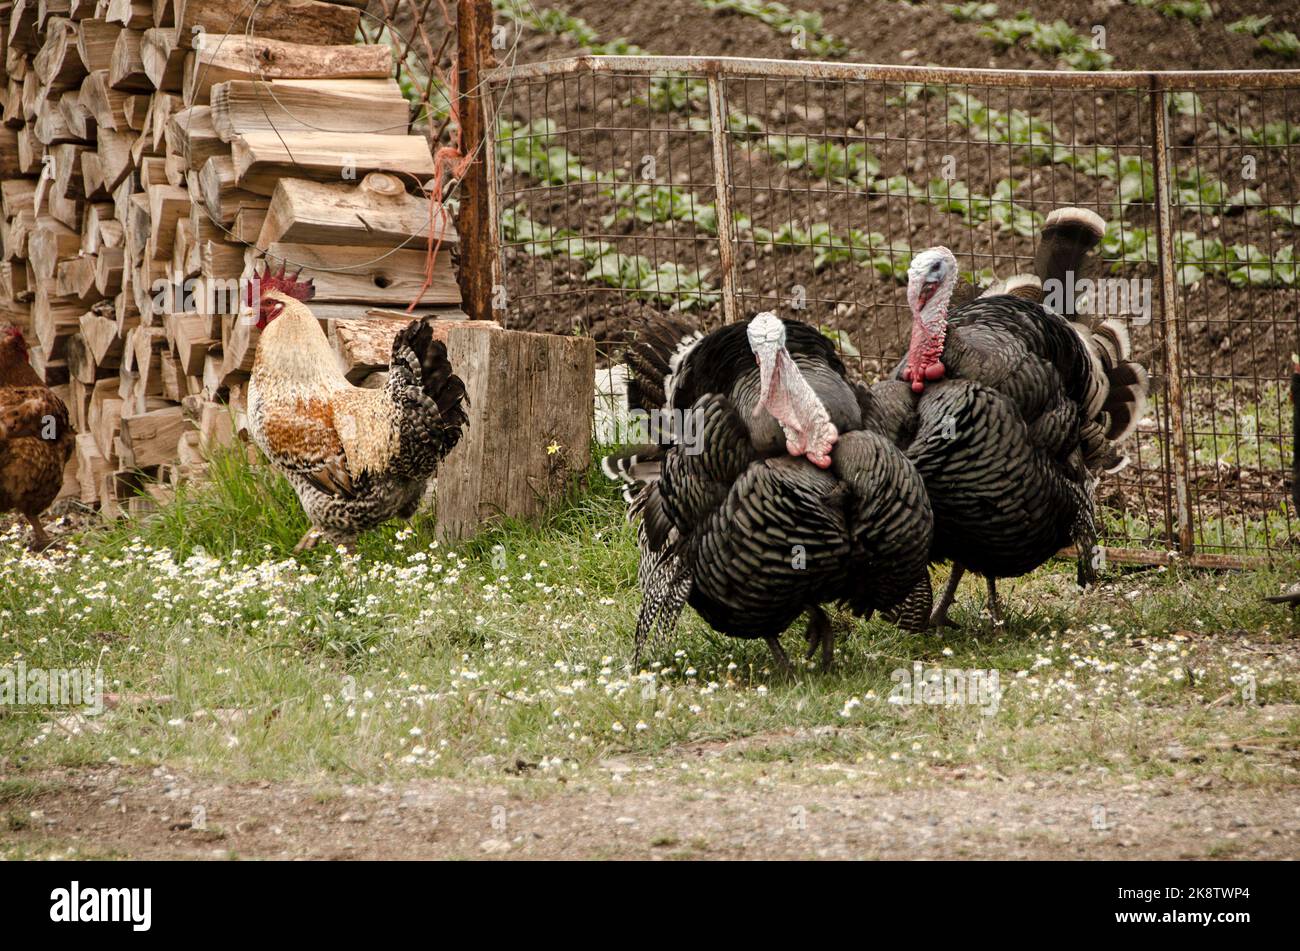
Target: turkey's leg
[40,540]
[940,616]
[995,606]
[778,653]
[821,633]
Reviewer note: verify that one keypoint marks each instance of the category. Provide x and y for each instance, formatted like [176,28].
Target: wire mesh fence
[717,188]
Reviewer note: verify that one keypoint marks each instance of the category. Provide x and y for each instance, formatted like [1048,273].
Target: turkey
[1017,409]
[772,487]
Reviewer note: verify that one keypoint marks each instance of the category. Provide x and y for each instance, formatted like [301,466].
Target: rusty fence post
[1169,317]
[479,271]
[722,200]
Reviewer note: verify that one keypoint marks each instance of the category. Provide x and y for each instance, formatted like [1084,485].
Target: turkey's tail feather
[636,467]
[1025,286]
[1118,386]
[1117,394]
[653,358]
[1129,383]
[1068,235]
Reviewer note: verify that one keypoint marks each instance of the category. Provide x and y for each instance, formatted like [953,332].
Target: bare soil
[1229,331]
[152,814]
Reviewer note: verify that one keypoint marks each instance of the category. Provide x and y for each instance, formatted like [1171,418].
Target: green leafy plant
[650,203]
[971,12]
[866,249]
[999,208]
[1195,257]
[1056,39]
[851,164]
[531,149]
[1284,43]
[790,22]
[1197,11]
[679,287]
[1250,25]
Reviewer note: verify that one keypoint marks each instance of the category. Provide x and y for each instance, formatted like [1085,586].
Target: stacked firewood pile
[151,154]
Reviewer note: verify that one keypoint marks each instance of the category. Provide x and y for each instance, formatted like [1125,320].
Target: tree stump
[531,402]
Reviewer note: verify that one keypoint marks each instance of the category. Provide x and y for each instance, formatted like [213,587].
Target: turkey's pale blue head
[930,278]
[765,331]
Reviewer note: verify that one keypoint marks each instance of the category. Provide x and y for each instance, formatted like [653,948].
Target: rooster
[36,438]
[356,457]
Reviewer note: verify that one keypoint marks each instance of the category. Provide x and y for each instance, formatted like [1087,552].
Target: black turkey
[1017,410]
[772,487]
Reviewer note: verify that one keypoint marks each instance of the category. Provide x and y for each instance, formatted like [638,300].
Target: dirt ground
[115,813]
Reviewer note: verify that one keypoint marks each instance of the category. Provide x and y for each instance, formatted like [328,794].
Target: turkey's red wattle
[924,356]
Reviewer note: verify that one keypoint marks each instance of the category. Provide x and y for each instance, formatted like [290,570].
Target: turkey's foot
[783,664]
[820,633]
[939,618]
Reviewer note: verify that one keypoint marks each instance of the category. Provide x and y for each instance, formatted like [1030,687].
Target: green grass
[414,658]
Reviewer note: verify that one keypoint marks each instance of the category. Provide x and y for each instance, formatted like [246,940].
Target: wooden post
[478,273]
[722,199]
[1169,321]
[531,402]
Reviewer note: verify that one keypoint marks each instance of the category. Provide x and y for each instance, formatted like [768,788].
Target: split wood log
[312,105]
[376,213]
[367,275]
[307,22]
[263,158]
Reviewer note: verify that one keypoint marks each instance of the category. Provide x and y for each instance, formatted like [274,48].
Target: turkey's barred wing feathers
[890,519]
[665,584]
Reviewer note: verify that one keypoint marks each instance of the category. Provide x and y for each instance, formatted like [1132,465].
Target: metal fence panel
[720,187]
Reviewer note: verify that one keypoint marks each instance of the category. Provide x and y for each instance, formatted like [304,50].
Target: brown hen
[36,438]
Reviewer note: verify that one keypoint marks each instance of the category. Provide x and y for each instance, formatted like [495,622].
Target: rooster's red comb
[283,282]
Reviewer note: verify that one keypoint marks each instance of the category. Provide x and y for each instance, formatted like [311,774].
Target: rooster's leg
[308,541]
[821,634]
[940,616]
[783,664]
[995,606]
[40,540]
